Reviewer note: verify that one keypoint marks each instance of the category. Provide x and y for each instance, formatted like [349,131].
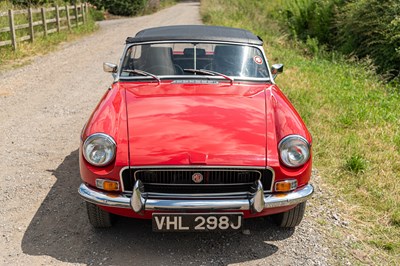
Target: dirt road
[43,107]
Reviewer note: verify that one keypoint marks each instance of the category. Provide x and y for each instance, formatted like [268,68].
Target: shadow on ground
[60,229]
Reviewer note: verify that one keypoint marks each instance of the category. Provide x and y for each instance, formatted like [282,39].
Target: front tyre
[98,217]
[291,218]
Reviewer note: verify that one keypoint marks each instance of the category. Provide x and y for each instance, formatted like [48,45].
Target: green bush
[371,28]
[363,28]
[121,7]
[310,18]
[96,14]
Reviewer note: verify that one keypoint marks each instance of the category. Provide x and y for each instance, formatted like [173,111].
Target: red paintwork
[109,117]
[186,124]
[224,123]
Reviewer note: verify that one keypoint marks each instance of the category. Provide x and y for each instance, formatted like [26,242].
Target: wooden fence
[62,19]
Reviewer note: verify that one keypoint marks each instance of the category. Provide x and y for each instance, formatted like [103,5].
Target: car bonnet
[175,124]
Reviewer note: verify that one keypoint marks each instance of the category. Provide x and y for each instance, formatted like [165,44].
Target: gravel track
[43,107]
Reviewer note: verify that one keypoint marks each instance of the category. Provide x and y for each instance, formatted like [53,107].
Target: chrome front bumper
[139,203]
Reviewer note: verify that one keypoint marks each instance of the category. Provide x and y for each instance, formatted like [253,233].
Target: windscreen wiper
[142,73]
[209,72]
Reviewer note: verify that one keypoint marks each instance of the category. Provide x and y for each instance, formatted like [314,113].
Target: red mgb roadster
[195,135]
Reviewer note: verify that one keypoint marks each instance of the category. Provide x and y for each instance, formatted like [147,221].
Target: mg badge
[197,178]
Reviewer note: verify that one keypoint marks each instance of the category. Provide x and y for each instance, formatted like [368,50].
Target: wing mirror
[276,69]
[110,68]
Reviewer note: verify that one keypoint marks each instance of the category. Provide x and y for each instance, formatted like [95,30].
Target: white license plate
[186,222]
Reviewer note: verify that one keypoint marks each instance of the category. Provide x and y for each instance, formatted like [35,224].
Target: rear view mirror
[110,68]
[276,69]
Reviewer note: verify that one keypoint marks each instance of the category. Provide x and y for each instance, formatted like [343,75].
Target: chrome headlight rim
[106,137]
[291,138]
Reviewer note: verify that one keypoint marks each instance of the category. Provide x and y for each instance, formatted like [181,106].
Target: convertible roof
[196,33]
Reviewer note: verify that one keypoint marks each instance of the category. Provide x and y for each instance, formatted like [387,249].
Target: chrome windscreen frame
[117,76]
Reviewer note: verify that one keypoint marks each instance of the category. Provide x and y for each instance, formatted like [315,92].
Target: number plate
[186,222]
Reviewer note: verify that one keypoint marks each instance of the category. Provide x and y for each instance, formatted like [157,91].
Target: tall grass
[371,28]
[363,28]
[354,119]
[310,19]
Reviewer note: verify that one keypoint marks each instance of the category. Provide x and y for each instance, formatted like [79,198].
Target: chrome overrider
[139,203]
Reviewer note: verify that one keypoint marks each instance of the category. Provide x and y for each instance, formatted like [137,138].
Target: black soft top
[196,33]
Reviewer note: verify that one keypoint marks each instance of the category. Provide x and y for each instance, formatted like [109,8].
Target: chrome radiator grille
[180,180]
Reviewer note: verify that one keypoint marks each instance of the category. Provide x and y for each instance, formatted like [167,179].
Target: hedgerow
[121,7]
[371,28]
[361,28]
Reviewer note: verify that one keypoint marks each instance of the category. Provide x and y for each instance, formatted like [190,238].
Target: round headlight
[99,149]
[294,150]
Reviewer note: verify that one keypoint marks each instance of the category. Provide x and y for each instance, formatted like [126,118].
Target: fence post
[44,20]
[83,14]
[12,29]
[58,19]
[68,18]
[87,11]
[31,24]
[76,14]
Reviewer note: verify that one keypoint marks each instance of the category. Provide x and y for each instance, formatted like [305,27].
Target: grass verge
[355,122]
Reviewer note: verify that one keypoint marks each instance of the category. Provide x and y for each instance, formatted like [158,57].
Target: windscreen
[176,59]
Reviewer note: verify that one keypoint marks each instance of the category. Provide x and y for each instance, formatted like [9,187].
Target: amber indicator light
[285,186]
[107,185]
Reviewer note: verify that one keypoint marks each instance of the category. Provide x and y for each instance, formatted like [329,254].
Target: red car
[195,135]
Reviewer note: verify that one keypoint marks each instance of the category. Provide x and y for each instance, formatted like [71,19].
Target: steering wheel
[178,70]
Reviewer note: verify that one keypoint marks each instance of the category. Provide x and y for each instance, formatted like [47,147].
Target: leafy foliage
[371,28]
[121,7]
[364,28]
[310,18]
[96,14]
